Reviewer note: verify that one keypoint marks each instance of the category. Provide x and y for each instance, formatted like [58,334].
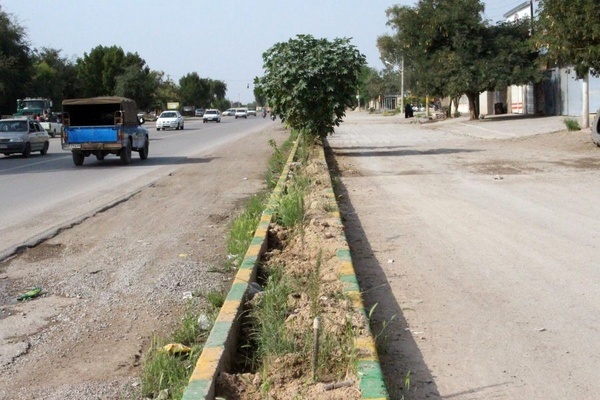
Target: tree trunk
[585,102]
[454,101]
[473,105]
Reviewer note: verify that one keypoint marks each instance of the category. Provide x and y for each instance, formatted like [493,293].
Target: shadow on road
[398,352]
[369,151]
[91,162]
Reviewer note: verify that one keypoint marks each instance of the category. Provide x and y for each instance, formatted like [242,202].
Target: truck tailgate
[93,134]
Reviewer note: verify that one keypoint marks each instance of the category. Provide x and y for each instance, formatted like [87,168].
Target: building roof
[520,7]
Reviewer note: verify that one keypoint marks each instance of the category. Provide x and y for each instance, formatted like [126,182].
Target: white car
[211,115]
[229,112]
[252,111]
[169,119]
[23,136]
[241,113]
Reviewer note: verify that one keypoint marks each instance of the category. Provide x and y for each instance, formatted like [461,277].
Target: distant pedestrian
[408,111]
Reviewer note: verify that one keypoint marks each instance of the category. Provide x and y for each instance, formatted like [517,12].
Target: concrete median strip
[220,346]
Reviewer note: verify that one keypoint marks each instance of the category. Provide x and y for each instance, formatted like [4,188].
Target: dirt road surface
[479,245]
[114,280]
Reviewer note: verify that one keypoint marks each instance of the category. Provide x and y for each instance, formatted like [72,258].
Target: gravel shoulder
[121,276]
[480,252]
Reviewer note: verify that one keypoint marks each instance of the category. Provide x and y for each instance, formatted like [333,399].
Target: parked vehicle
[211,115]
[199,112]
[241,113]
[22,135]
[229,112]
[188,110]
[595,128]
[52,125]
[102,126]
[169,119]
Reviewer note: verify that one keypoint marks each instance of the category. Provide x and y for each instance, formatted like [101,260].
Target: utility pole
[533,84]
[401,78]
[531,12]
[402,86]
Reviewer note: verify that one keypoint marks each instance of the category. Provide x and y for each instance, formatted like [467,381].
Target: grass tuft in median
[166,372]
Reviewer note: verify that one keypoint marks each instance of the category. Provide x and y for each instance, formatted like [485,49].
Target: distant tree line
[104,71]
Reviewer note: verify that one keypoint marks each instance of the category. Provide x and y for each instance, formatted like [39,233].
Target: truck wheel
[44,149]
[126,153]
[596,129]
[27,151]
[78,158]
[100,156]
[144,150]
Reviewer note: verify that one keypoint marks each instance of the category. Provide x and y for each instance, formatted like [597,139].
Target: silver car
[169,119]
[23,136]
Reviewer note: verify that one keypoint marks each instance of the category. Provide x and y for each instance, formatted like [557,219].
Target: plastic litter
[35,292]
[175,348]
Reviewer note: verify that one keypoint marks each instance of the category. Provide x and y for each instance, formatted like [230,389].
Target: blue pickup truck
[103,125]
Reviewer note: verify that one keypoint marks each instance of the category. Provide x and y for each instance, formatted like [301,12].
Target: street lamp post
[402,86]
[401,80]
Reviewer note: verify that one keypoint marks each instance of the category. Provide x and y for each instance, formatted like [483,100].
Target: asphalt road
[41,194]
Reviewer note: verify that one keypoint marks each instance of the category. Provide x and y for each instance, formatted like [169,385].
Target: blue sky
[217,39]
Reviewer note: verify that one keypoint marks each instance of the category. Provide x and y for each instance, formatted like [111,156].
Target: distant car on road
[169,119]
[230,112]
[252,111]
[241,113]
[199,112]
[211,115]
[23,136]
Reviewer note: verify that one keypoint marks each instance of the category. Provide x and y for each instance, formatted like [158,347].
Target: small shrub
[162,371]
[278,159]
[243,227]
[290,208]
[572,125]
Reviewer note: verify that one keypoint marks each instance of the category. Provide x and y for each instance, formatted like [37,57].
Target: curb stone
[220,344]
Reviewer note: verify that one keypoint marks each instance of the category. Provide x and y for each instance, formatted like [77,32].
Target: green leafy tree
[201,92]
[16,64]
[310,82]
[193,90]
[166,91]
[139,84]
[569,31]
[218,89]
[373,84]
[104,67]
[54,77]
[260,99]
[453,51]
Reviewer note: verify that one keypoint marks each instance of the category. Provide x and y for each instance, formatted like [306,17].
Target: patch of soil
[304,251]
